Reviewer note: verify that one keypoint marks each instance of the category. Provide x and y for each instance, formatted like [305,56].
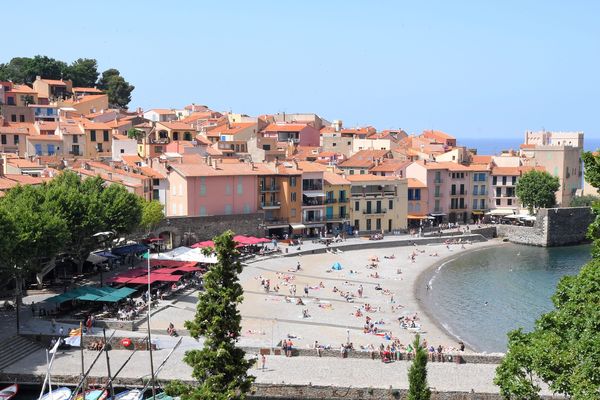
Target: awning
[170,263]
[130,249]
[477,212]
[95,259]
[416,216]
[143,280]
[105,254]
[314,194]
[168,278]
[437,214]
[501,211]
[117,295]
[315,225]
[298,226]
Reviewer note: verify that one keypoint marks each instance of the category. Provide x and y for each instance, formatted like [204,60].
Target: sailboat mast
[112,389]
[149,332]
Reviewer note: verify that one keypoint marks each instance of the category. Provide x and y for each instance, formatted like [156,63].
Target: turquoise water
[516,282]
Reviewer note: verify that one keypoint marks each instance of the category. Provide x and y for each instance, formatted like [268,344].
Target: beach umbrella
[206,243]
[337,266]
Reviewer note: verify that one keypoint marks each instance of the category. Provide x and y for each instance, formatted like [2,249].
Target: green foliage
[25,69]
[592,176]
[39,232]
[136,134]
[418,389]
[536,189]
[152,214]
[564,348]
[584,201]
[83,72]
[220,367]
[8,231]
[117,88]
[28,99]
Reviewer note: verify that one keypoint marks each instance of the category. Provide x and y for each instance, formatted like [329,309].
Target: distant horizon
[472,69]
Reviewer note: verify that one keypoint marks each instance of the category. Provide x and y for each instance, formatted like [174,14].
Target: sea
[480,296]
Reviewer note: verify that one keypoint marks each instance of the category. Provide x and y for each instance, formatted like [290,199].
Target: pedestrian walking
[263,359]
[306,290]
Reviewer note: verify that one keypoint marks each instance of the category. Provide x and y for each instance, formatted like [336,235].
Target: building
[280,198]
[313,198]
[53,89]
[417,206]
[298,134]
[363,161]
[98,139]
[378,204]
[160,115]
[337,203]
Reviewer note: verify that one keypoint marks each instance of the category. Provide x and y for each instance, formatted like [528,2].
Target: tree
[25,69]
[592,176]
[121,210]
[584,201]
[83,72]
[418,389]
[117,88]
[40,234]
[8,232]
[136,134]
[152,214]
[536,189]
[220,367]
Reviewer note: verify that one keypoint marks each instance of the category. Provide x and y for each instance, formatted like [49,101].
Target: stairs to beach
[14,349]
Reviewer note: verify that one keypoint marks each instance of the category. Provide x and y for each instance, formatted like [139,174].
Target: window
[187,136]
[391,204]
[417,194]
[514,180]
[453,190]
[497,202]
[292,212]
[369,224]
[495,180]
[292,181]
[228,209]
[105,136]
[368,207]
[362,171]
[378,206]
[21,118]
[503,180]
[482,204]
[122,151]
[410,194]
[475,190]
[333,144]
[228,189]
[175,135]
[246,208]
[13,118]
[437,205]
[202,186]
[3,139]
[16,139]
[509,202]
[356,206]
[75,139]
[51,150]
[100,148]
[349,143]
[174,209]
[93,135]
[240,186]
[293,196]
[378,224]
[498,192]
[342,196]
[155,194]
[202,211]
[357,224]
[351,172]
[155,182]
[474,204]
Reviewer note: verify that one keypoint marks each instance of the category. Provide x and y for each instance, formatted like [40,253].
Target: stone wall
[553,227]
[189,230]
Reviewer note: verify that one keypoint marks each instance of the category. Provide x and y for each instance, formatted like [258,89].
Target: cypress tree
[417,374]
[220,367]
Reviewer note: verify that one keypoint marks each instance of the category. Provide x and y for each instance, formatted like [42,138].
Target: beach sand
[268,318]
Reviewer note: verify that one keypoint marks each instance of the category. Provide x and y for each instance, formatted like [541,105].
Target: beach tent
[337,266]
[191,255]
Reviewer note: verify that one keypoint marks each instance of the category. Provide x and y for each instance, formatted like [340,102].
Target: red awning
[119,279]
[141,280]
[164,271]
[188,268]
[167,278]
[170,263]
[206,243]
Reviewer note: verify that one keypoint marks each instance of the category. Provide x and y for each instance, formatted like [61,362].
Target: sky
[474,69]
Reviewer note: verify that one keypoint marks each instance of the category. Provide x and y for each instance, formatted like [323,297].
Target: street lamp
[104,237]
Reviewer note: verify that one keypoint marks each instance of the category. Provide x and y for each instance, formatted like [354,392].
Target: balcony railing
[337,217]
[269,188]
[343,200]
[274,221]
[313,219]
[312,202]
[270,205]
[376,211]
[330,201]
[318,188]
[440,180]
[437,195]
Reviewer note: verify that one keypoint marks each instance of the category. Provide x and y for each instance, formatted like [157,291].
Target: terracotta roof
[162,111]
[527,146]
[285,127]
[25,179]
[14,129]
[22,89]
[437,134]
[176,125]
[335,179]
[506,171]
[116,171]
[116,123]
[203,140]
[222,169]
[53,138]
[443,165]
[481,159]
[233,129]
[86,90]
[390,165]
[131,160]
[288,168]
[307,166]
[415,183]
[54,82]
[22,163]
[151,172]
[106,177]
[6,183]
[89,125]
[364,158]
[201,115]
[369,177]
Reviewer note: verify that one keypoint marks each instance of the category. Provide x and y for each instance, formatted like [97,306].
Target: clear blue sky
[473,69]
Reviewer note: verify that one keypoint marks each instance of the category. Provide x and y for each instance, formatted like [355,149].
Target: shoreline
[420,293]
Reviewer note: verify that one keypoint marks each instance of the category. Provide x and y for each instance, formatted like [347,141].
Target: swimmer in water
[486,303]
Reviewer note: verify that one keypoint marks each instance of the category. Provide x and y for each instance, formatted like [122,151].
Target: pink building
[197,188]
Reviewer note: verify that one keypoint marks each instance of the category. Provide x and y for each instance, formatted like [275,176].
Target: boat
[133,394]
[9,392]
[61,393]
[93,394]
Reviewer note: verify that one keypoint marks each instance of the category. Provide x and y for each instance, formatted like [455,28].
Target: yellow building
[378,203]
[337,202]
[98,139]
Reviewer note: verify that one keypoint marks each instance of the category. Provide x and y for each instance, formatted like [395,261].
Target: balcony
[275,222]
[462,193]
[343,200]
[437,195]
[269,188]
[330,201]
[337,217]
[275,205]
[310,219]
[375,212]
[438,181]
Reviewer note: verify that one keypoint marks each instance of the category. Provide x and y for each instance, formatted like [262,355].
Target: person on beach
[263,359]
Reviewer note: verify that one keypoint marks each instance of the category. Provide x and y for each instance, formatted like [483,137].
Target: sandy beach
[325,315]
